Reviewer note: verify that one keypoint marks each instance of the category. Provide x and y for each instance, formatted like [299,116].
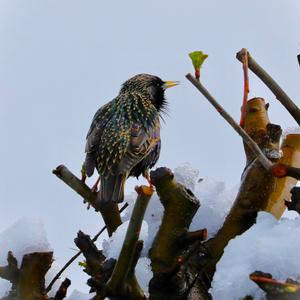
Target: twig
[279,93]
[246,86]
[72,259]
[247,139]
[126,257]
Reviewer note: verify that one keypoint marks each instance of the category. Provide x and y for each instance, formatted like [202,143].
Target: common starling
[124,137]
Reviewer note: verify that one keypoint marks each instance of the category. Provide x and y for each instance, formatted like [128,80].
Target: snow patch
[270,246]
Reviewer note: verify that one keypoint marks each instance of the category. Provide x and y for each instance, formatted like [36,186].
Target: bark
[290,157]
[109,211]
[170,250]
[28,281]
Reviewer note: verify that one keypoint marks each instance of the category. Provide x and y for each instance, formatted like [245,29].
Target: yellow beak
[170,83]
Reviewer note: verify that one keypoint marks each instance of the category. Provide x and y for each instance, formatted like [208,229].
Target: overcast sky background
[60,60]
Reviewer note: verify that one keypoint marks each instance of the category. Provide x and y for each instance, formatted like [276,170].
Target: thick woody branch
[109,211]
[28,281]
[246,138]
[32,276]
[119,283]
[167,253]
[286,170]
[279,93]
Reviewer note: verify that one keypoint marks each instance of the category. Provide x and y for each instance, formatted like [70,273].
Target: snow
[270,246]
[77,295]
[24,236]
[143,273]
[112,246]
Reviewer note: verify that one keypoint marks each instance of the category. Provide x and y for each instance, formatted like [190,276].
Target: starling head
[151,86]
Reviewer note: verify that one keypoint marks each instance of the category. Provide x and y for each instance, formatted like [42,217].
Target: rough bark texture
[28,281]
[256,186]
[169,254]
[290,157]
[109,211]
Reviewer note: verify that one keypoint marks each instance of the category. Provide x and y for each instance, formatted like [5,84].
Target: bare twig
[72,259]
[246,86]
[279,93]
[247,139]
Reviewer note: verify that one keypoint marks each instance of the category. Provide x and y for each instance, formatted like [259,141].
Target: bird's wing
[94,135]
[142,149]
[148,162]
[99,122]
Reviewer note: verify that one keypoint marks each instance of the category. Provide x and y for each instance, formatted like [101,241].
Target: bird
[124,136]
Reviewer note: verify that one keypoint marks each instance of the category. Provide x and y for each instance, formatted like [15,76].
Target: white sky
[62,59]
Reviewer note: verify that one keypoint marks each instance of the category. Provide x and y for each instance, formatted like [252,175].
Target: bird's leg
[94,188]
[147,177]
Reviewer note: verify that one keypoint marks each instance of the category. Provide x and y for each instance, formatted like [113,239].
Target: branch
[109,211]
[246,86]
[287,175]
[276,289]
[246,138]
[11,271]
[32,276]
[172,240]
[281,170]
[279,93]
[62,291]
[76,184]
[117,283]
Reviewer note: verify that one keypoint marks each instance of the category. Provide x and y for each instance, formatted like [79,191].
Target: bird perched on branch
[124,137]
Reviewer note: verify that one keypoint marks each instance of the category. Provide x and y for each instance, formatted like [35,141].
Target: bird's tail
[112,188]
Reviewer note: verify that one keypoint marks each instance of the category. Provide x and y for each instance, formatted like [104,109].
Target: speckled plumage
[124,137]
